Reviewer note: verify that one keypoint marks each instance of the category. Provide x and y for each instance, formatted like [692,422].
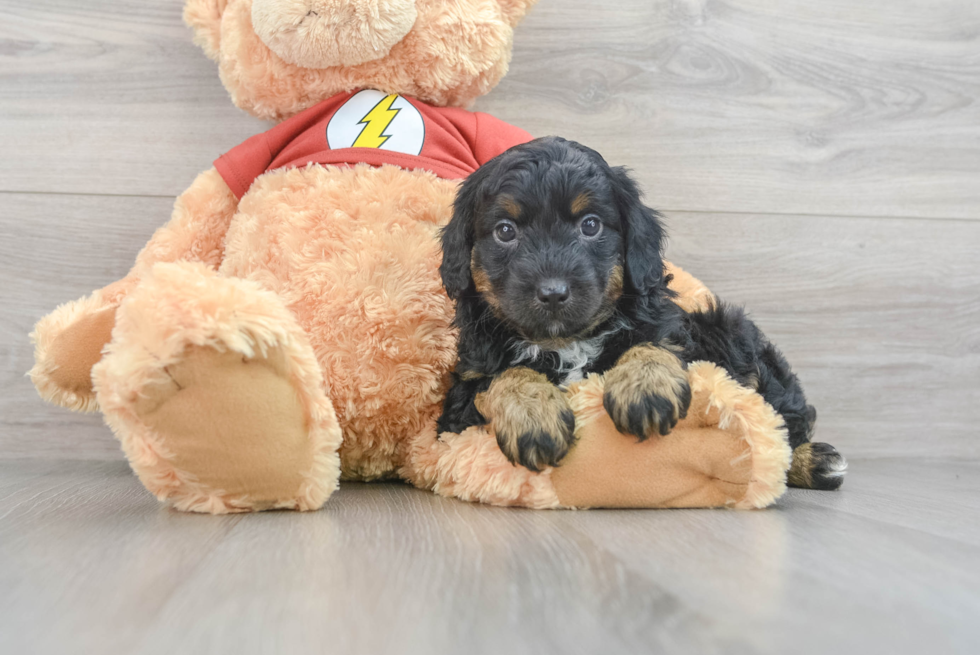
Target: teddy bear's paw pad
[79,347]
[234,423]
[68,343]
[817,466]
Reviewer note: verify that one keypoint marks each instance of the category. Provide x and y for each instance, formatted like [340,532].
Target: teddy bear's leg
[69,341]
[470,466]
[216,396]
[730,451]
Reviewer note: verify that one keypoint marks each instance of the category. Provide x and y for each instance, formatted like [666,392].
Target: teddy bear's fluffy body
[261,349]
[349,251]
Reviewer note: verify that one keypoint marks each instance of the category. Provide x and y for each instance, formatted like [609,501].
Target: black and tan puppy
[556,266]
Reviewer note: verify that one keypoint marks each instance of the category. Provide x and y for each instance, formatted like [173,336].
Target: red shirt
[373,128]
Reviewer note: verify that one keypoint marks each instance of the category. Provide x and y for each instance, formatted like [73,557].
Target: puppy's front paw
[647,391]
[533,422]
[537,448]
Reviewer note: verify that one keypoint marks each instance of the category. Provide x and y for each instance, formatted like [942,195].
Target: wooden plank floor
[818,161]
[90,563]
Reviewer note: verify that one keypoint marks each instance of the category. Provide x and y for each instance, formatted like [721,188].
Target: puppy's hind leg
[815,465]
[724,334]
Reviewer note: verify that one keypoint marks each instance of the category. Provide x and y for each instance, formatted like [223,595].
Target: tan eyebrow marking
[510,206]
[580,203]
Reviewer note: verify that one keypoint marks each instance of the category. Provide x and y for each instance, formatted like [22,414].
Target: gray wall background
[818,162]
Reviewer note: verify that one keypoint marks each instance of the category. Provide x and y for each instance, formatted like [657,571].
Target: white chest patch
[572,359]
[371,119]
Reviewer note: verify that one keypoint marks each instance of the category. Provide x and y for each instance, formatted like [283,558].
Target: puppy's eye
[591,225]
[505,232]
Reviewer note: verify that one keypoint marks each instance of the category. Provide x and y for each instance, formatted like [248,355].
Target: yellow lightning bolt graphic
[375,123]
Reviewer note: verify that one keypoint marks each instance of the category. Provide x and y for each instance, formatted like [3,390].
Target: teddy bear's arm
[197,227]
[692,295]
[204,16]
[514,10]
[69,340]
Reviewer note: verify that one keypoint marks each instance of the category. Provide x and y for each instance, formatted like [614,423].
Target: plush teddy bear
[287,328]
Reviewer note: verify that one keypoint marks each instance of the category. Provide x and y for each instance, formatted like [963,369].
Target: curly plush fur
[454,53]
[255,341]
[147,391]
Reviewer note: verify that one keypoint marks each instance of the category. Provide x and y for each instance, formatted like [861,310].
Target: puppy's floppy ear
[457,237]
[457,243]
[643,236]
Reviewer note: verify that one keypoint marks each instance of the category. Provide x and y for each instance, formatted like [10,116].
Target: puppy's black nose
[553,293]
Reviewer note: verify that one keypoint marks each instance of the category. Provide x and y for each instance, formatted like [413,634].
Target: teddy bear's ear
[514,10]
[204,16]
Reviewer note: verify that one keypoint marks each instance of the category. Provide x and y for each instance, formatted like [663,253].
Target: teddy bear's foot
[68,342]
[217,397]
[730,451]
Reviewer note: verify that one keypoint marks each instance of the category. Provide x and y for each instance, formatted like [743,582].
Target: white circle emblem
[372,119]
